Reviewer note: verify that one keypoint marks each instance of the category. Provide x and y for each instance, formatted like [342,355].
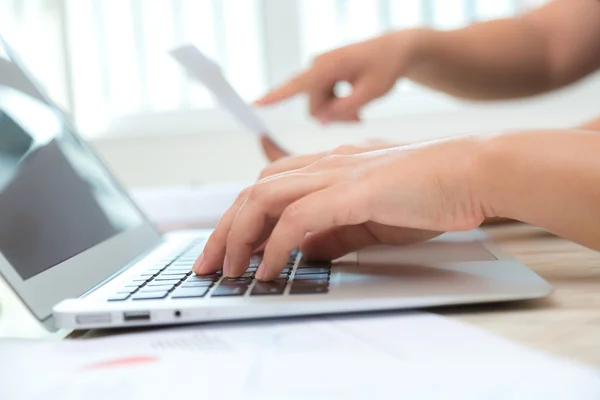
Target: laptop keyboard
[172,278]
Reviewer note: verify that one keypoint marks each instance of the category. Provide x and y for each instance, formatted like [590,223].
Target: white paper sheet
[410,355]
[210,75]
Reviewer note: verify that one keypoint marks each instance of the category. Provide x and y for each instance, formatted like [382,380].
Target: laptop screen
[56,198]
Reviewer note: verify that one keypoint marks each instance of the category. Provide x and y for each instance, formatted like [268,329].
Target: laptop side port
[93,319]
[136,316]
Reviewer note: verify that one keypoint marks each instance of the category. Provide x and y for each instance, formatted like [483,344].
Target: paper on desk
[410,355]
[210,75]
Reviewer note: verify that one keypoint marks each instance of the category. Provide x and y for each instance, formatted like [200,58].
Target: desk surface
[566,324]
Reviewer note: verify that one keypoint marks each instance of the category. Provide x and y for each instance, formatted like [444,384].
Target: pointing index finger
[289,89]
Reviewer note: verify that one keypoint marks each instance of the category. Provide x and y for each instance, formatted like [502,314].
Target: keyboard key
[197,284]
[188,293]
[181,265]
[310,271]
[175,272]
[268,288]
[283,276]
[314,264]
[169,277]
[161,288]
[150,295]
[198,278]
[307,287]
[245,281]
[170,273]
[186,261]
[138,284]
[318,282]
[119,297]
[311,277]
[127,290]
[169,282]
[187,267]
[247,275]
[230,290]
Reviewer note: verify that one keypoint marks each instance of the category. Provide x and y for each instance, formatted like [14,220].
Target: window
[119,61]
[105,60]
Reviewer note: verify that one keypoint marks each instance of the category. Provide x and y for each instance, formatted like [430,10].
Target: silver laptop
[80,254]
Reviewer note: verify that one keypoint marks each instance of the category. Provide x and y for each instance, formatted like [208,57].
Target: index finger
[289,89]
[339,205]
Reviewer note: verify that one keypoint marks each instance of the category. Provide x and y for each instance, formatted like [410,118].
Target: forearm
[593,125]
[546,49]
[465,64]
[548,179]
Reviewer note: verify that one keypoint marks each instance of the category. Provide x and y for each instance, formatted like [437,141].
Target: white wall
[171,154]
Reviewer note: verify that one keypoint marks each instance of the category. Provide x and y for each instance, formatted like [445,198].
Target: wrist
[413,47]
[492,175]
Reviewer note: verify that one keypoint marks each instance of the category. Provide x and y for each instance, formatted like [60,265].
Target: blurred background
[105,63]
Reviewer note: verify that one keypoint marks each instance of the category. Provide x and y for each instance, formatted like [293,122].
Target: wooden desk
[565,324]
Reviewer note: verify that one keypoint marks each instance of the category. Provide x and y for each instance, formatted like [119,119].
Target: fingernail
[199,264]
[226,266]
[260,271]
[324,120]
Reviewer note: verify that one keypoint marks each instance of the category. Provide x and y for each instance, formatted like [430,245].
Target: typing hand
[342,203]
[371,67]
[285,162]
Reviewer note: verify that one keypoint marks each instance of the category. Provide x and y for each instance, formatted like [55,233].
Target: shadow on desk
[518,305]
